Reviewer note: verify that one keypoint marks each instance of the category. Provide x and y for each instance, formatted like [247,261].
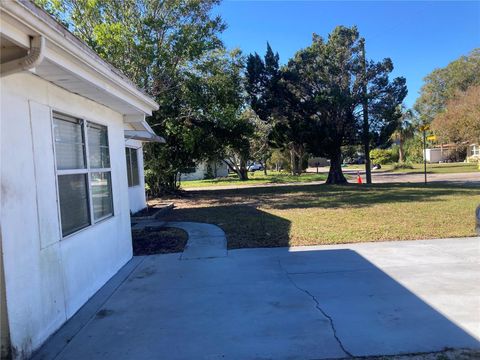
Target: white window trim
[87,171]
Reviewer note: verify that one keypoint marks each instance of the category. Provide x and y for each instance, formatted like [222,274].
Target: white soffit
[72,82]
[69,63]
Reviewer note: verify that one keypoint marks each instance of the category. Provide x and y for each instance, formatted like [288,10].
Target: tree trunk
[292,161]
[400,151]
[241,170]
[335,174]
[295,160]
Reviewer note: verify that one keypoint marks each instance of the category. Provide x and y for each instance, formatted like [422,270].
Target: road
[471,178]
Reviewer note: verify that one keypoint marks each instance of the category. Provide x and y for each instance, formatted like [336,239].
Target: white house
[473,152]
[69,121]
[435,155]
[206,169]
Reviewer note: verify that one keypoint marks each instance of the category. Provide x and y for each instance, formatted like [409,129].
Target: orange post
[359,178]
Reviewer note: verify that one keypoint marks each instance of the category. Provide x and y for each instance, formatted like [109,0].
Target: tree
[260,149]
[380,100]
[331,83]
[443,84]
[270,97]
[171,49]
[205,123]
[403,131]
[460,121]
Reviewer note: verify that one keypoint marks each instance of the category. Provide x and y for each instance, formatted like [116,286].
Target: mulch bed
[158,241]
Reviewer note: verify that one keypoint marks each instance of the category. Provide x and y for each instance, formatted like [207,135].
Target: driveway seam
[319,308]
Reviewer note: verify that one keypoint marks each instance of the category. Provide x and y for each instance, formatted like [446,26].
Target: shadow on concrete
[276,304]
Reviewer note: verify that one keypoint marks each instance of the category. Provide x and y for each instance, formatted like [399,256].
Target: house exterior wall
[435,155]
[4,332]
[136,194]
[473,150]
[219,170]
[48,278]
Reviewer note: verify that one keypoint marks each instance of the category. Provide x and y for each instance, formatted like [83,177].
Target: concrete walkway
[204,240]
[301,303]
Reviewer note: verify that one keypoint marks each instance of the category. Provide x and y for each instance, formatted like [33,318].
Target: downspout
[32,59]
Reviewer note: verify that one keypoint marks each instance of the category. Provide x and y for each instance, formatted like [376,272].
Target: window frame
[475,150]
[60,115]
[128,150]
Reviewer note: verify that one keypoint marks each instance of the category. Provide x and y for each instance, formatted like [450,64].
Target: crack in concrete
[318,307]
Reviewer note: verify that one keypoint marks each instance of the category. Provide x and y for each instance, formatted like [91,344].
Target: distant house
[72,128]
[436,155]
[473,152]
[206,170]
[449,152]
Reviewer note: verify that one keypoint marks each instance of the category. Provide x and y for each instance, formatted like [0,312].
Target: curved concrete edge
[205,241]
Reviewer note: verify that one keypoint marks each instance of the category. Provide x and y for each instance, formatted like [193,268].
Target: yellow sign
[432,138]
[424,127]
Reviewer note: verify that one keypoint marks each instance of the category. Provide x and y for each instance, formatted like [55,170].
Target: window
[475,150]
[132,167]
[83,171]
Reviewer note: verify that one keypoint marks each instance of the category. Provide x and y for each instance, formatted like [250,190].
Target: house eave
[80,68]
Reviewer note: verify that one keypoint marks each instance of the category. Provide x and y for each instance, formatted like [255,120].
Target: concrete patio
[303,303]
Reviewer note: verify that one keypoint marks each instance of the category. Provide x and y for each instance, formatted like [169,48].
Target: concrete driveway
[303,303]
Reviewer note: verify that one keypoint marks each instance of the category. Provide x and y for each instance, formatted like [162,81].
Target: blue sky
[418,36]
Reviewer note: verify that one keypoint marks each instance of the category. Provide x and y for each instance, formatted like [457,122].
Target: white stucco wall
[136,194]
[4,333]
[49,279]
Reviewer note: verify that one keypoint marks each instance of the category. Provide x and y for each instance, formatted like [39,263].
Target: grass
[256,178]
[444,168]
[320,214]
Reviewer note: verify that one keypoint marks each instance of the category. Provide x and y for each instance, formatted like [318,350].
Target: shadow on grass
[244,226]
[323,196]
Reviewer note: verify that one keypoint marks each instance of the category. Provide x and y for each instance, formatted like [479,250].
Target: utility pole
[366,125]
[424,129]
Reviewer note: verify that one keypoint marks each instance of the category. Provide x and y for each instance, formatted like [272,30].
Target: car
[254,167]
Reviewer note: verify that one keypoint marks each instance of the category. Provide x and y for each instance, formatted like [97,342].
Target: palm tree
[404,130]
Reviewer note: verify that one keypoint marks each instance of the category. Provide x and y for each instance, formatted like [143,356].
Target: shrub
[473,159]
[383,156]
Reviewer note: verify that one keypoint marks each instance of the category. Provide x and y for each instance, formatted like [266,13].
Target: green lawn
[320,214]
[255,178]
[445,168]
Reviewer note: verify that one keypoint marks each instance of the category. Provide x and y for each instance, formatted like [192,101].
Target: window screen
[73,194]
[69,144]
[133,172]
[83,171]
[101,194]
